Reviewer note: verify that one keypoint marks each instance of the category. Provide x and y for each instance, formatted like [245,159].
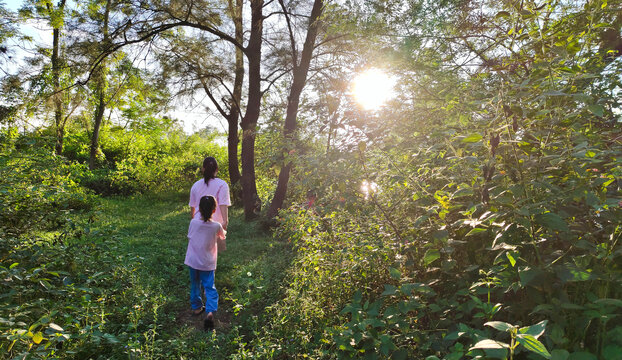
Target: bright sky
[13,4]
[193,119]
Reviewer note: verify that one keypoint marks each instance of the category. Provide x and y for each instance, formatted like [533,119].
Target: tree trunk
[252,203]
[234,110]
[58,96]
[101,94]
[293,101]
[99,115]
[56,67]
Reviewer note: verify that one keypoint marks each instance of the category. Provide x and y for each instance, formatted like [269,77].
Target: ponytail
[210,166]
[207,204]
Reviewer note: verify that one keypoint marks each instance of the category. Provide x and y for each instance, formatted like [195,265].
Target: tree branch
[292,40]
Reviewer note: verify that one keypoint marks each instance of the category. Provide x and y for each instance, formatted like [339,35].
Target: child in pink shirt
[201,257]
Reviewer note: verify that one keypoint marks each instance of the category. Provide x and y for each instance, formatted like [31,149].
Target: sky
[192,118]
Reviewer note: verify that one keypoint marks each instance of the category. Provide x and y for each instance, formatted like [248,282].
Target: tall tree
[149,21]
[252,203]
[55,78]
[7,31]
[299,79]
[236,98]
[56,16]
[192,65]
[100,88]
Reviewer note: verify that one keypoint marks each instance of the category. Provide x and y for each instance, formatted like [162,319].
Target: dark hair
[209,169]
[207,204]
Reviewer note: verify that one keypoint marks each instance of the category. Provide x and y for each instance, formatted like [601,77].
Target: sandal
[198,311]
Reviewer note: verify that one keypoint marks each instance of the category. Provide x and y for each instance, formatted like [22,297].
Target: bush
[482,224]
[38,189]
[151,160]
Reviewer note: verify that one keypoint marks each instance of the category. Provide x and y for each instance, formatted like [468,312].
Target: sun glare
[368,188]
[372,88]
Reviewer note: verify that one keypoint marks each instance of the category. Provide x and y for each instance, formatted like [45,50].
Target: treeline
[126,60]
[477,215]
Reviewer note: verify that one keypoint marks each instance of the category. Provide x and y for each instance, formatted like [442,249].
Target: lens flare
[372,88]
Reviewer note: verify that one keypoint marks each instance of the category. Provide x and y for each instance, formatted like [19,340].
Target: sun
[372,88]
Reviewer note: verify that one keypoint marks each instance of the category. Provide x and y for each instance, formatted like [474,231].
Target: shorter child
[201,256]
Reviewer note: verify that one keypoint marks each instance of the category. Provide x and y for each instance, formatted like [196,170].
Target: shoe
[208,324]
[198,311]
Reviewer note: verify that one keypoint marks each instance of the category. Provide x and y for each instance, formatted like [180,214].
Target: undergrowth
[114,285]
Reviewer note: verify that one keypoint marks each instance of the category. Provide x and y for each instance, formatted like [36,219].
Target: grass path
[151,231]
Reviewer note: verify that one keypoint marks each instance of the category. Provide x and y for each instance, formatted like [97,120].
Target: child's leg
[195,289]
[211,295]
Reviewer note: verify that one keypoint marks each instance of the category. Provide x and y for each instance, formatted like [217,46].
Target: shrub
[38,189]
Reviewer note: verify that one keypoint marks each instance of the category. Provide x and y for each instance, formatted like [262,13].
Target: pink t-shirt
[202,250]
[217,188]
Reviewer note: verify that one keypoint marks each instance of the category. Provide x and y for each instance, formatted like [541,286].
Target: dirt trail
[185,317]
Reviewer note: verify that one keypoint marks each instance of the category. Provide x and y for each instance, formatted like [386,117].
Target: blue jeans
[205,278]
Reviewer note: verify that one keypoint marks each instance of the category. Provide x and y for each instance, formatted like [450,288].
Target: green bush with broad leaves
[38,188]
[484,221]
[146,159]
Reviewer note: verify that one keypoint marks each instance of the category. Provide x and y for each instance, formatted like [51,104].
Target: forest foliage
[478,214]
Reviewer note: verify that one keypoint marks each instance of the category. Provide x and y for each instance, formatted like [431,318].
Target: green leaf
[490,344]
[559,354]
[612,352]
[582,355]
[529,275]
[475,231]
[13,265]
[430,256]
[111,338]
[386,344]
[510,257]
[571,272]
[389,290]
[357,297]
[502,14]
[597,110]
[419,287]
[395,273]
[55,327]
[532,344]
[500,325]
[472,138]
[46,284]
[552,221]
[535,330]
[401,354]
[38,337]
[613,302]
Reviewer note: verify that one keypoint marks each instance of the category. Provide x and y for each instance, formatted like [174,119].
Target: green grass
[149,234]
[112,284]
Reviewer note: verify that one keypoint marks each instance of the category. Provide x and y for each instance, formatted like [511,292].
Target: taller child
[211,185]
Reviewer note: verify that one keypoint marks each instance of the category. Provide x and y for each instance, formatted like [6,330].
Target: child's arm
[220,239]
[224,211]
